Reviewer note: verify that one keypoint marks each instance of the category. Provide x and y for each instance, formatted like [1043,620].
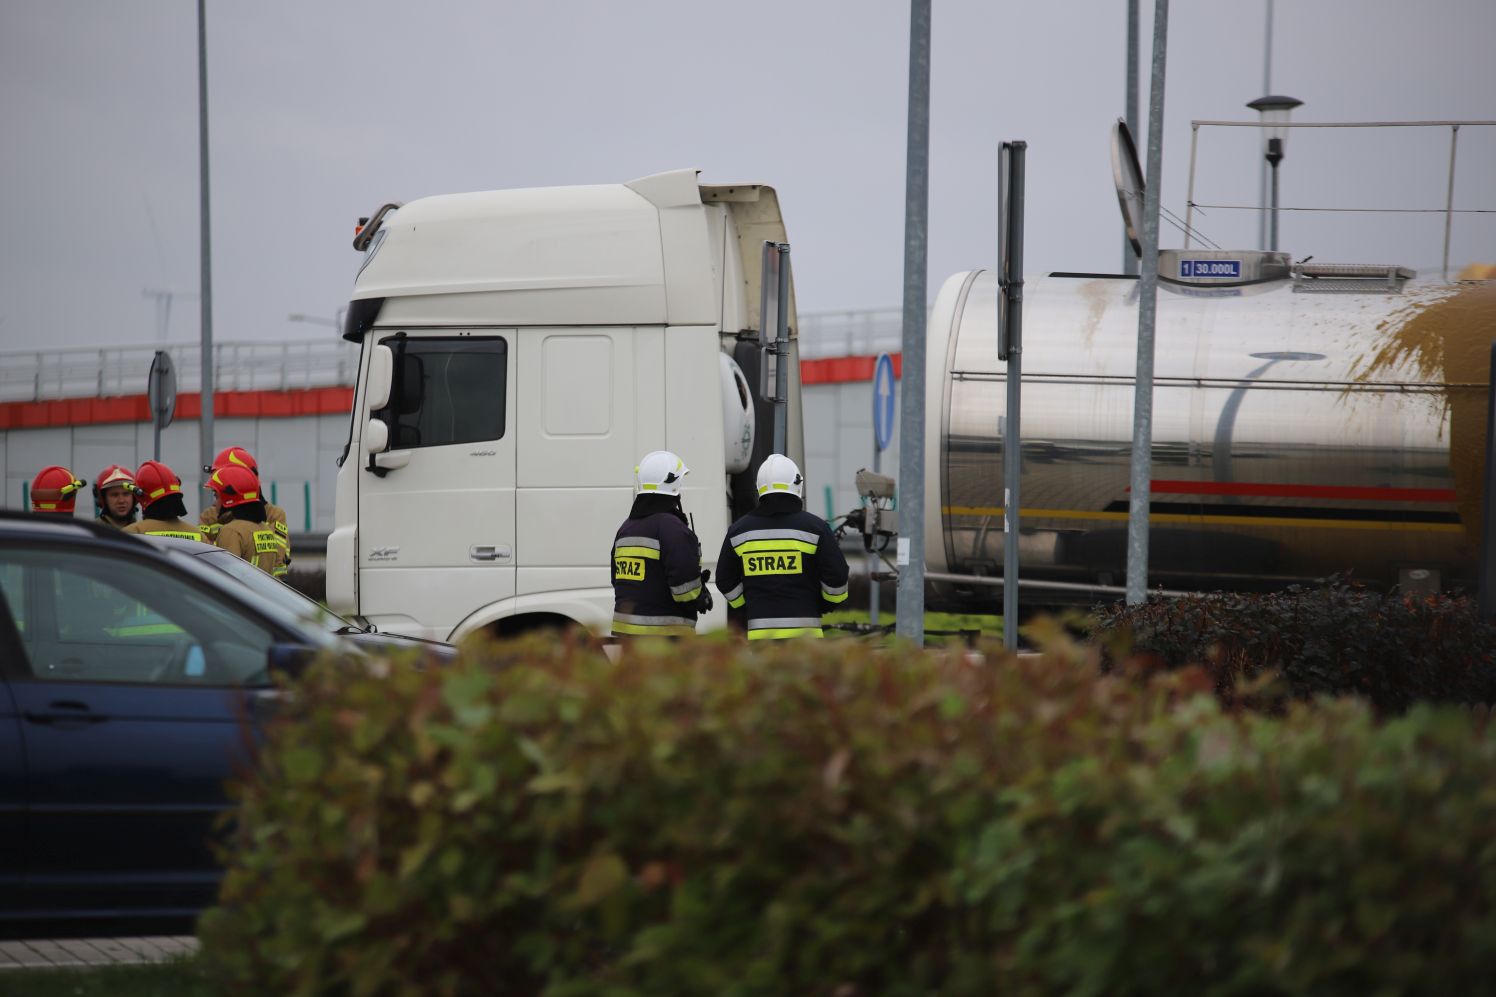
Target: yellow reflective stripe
[282,570]
[179,534]
[775,545]
[162,491]
[643,630]
[690,596]
[738,602]
[636,552]
[279,526]
[835,598]
[782,632]
[628,569]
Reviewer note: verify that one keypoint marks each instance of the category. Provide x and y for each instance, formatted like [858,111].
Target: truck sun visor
[362,313]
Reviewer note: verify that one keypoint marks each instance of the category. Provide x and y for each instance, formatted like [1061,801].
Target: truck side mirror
[376,436]
[381,376]
[410,384]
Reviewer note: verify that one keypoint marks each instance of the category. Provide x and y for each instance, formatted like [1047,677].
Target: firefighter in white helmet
[779,564]
[658,586]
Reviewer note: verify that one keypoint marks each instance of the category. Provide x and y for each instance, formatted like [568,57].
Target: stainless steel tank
[1303,426]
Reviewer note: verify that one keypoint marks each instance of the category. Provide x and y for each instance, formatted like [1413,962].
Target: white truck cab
[521,349]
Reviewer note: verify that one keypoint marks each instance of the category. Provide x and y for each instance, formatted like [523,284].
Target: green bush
[834,819]
[1339,639]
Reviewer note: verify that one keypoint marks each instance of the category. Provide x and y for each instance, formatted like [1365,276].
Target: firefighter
[162,509]
[780,564]
[214,516]
[658,586]
[54,492]
[114,496]
[247,533]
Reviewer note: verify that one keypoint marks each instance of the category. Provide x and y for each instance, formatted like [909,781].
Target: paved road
[93,951]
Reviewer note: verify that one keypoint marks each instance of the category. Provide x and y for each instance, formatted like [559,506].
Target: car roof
[16,522]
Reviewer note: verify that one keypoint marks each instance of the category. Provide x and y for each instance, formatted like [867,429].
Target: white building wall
[298,455]
[839,442]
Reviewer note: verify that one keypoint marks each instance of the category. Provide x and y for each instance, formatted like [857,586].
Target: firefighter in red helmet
[114,496]
[215,516]
[163,511]
[54,491]
[247,533]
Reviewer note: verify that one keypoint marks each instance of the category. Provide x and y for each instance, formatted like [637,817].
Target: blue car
[131,680]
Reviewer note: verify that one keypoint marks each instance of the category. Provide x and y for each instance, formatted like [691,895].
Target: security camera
[873,485]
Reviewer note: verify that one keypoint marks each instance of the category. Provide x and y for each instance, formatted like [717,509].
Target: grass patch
[176,978]
[989,626]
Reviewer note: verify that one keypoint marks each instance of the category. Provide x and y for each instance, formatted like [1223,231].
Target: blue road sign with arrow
[883,390]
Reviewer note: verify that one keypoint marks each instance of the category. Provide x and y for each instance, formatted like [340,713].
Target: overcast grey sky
[322,111]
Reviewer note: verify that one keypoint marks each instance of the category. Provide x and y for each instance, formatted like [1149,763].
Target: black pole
[1272,242]
[1010,270]
[1487,592]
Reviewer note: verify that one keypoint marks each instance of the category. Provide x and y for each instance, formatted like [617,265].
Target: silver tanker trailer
[1308,419]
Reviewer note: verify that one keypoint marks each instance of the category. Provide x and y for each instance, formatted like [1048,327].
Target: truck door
[592,400]
[436,519]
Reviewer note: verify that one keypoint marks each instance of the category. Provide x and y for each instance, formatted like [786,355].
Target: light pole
[1275,112]
[336,321]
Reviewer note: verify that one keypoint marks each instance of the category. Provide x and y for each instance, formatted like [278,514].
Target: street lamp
[1275,112]
[336,321]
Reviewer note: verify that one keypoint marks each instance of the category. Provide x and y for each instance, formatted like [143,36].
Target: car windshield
[275,592]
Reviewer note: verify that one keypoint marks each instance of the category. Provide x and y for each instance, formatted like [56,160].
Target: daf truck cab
[520,350]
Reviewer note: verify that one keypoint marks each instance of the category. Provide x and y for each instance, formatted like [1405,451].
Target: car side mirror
[290,659]
[381,377]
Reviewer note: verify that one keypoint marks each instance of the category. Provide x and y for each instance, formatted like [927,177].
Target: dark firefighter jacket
[782,566]
[656,572]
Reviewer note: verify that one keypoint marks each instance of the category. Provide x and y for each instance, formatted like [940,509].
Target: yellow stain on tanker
[1445,337]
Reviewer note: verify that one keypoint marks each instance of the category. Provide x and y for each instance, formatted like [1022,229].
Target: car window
[88,615]
[273,590]
[14,590]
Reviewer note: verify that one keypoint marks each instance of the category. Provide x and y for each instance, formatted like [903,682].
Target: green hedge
[1337,639]
[835,819]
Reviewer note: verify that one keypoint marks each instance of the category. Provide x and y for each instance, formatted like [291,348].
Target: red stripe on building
[135,408]
[1302,491]
[843,370]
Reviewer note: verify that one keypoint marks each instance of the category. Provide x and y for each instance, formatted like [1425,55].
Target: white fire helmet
[659,472]
[779,474]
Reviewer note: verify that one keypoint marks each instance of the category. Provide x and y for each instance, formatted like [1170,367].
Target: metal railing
[101,372]
[110,371]
[1448,210]
[860,332]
